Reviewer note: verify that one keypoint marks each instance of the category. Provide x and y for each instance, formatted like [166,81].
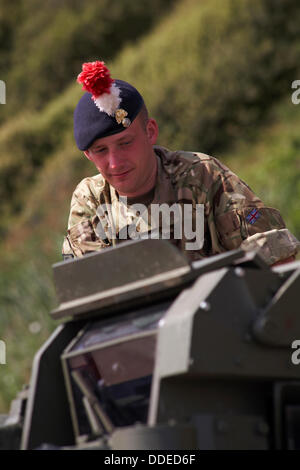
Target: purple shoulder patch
[253,216]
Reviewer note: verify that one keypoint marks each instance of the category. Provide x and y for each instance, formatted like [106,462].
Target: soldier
[113,129]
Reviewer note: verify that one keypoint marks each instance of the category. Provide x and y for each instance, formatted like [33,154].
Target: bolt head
[205,306]
[239,272]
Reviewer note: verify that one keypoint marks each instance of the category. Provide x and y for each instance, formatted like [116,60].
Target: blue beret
[90,123]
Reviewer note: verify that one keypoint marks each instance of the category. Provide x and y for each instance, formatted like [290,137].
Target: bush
[213,71]
[50,43]
[271,164]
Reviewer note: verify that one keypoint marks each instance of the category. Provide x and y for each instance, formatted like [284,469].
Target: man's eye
[127,142]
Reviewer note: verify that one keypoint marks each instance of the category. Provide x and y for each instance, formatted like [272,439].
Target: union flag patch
[253,216]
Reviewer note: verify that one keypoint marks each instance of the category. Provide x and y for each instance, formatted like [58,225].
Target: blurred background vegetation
[217,76]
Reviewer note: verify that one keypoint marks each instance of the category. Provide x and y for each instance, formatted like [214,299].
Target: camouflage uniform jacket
[233,215]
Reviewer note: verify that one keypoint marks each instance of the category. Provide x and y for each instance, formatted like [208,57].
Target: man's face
[127,160]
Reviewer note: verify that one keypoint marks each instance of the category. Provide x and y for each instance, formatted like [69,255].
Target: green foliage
[27,142]
[216,69]
[10,15]
[271,165]
[52,39]
[26,292]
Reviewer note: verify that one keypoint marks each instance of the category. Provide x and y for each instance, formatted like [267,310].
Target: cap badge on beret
[95,78]
[120,116]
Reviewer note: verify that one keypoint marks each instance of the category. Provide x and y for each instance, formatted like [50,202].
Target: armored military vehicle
[155,352]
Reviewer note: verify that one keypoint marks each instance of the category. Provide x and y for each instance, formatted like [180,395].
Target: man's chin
[120,178]
[123,187]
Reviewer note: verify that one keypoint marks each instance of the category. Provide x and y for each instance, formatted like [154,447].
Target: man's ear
[152,131]
[87,154]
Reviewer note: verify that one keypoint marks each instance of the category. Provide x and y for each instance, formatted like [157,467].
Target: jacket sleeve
[242,220]
[83,223]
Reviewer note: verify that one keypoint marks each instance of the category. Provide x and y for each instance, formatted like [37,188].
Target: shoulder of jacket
[180,163]
[90,186]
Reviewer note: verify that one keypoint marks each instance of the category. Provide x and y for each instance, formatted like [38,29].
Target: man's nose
[114,159]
